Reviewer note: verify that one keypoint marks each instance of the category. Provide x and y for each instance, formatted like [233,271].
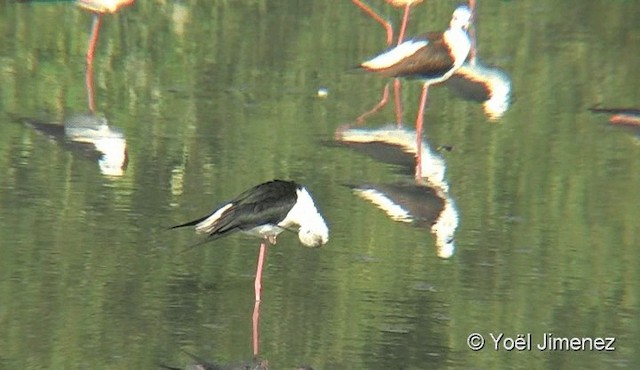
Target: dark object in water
[200,364]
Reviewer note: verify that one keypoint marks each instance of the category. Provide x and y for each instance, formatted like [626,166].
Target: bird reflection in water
[90,136]
[200,364]
[490,86]
[625,117]
[422,202]
[481,83]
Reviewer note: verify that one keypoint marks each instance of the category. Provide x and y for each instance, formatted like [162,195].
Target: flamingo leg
[419,124]
[383,101]
[258,282]
[387,26]
[93,39]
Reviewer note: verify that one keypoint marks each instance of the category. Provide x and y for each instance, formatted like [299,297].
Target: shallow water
[214,97]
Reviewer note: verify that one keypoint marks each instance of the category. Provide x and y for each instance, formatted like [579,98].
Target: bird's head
[314,236]
[461,17]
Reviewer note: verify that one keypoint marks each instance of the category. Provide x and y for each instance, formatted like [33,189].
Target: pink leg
[89,83]
[258,282]
[383,101]
[403,27]
[387,26]
[255,328]
[472,31]
[93,40]
[397,92]
[419,122]
[625,119]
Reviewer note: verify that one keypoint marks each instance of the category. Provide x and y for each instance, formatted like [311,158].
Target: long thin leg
[93,39]
[419,123]
[89,84]
[403,26]
[255,328]
[387,26]
[383,101]
[397,94]
[258,282]
[472,32]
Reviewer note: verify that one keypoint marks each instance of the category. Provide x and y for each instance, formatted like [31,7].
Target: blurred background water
[216,96]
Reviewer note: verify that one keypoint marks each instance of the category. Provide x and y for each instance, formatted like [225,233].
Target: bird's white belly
[264,231]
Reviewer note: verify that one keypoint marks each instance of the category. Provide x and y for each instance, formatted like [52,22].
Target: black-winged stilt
[432,57]
[407,4]
[265,211]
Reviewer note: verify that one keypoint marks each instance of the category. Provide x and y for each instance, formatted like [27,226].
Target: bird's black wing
[431,60]
[267,203]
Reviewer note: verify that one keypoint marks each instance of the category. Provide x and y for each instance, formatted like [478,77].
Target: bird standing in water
[407,4]
[432,58]
[266,210]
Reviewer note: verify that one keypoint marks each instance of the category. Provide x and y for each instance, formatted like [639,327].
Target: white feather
[313,229]
[433,166]
[380,200]
[206,226]
[395,55]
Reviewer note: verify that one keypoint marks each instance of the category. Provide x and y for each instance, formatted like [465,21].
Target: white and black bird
[266,210]
[432,57]
[90,136]
[478,82]
[417,204]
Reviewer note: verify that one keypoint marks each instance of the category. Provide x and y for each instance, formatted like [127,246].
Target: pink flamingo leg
[255,330]
[419,123]
[258,282]
[93,39]
[387,26]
